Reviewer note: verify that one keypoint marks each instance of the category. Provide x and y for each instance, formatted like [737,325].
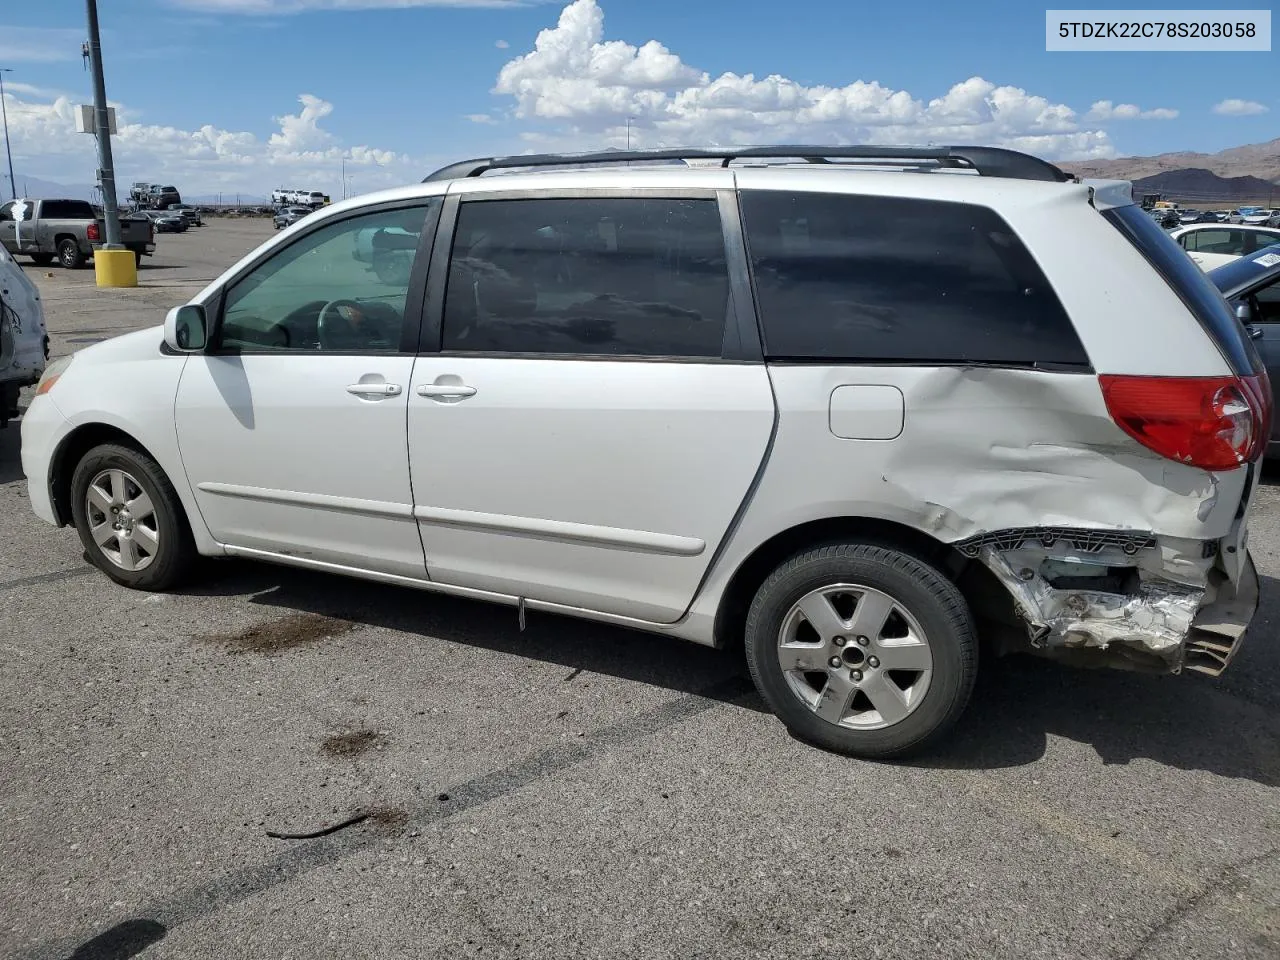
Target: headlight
[51,374]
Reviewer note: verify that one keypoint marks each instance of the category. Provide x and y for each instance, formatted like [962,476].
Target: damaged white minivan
[872,413]
[24,345]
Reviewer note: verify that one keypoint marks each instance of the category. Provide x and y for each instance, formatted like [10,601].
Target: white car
[864,423]
[1250,216]
[24,345]
[1211,245]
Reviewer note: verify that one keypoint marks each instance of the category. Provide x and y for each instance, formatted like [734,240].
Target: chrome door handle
[374,389]
[446,391]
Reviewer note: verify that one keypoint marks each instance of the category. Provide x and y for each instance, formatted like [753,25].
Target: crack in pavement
[1225,881]
[53,577]
[201,901]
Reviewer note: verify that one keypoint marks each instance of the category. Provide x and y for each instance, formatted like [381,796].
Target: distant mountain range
[1233,170]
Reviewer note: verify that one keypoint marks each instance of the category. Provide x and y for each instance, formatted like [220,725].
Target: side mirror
[185,329]
[1243,313]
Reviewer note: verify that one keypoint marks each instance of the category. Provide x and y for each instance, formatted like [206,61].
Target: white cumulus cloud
[1239,108]
[1103,110]
[577,89]
[202,160]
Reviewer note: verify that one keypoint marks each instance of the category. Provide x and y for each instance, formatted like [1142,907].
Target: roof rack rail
[986,161]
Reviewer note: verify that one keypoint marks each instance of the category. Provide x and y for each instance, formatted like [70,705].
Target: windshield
[1243,271]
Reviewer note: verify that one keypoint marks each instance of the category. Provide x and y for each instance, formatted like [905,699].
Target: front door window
[339,289]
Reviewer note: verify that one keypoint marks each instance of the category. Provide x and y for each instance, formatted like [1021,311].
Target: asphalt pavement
[574,790]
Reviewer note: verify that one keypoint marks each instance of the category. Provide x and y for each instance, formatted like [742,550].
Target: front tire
[129,518]
[69,255]
[862,649]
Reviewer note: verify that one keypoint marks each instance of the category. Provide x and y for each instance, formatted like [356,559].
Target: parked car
[1274,219]
[24,342]
[1251,216]
[1213,245]
[166,221]
[1186,217]
[188,213]
[1167,217]
[166,197]
[69,230]
[282,197]
[289,216]
[590,396]
[1251,285]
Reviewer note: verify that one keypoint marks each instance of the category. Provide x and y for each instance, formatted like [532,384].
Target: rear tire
[137,258]
[69,255]
[879,649]
[130,519]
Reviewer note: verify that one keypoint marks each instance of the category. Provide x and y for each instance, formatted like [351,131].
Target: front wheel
[129,518]
[862,649]
[69,255]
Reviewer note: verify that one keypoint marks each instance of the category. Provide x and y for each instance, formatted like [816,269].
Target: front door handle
[446,391]
[374,389]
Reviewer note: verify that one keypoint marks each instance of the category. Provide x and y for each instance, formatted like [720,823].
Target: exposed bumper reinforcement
[1219,628]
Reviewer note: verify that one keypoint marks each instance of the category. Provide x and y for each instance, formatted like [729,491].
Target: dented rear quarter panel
[982,450]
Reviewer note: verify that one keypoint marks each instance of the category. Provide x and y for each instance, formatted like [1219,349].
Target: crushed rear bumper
[1219,628]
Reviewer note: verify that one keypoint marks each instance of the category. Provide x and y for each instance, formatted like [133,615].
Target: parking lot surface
[572,790]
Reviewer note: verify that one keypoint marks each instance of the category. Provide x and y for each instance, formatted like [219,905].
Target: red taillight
[91,233]
[1214,423]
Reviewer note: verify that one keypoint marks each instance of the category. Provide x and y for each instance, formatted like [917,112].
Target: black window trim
[747,349]
[409,333]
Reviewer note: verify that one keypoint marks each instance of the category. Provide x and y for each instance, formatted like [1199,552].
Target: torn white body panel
[22,328]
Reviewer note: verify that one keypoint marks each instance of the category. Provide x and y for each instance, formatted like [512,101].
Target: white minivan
[871,426]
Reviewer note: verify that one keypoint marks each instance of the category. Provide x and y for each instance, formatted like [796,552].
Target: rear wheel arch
[986,596]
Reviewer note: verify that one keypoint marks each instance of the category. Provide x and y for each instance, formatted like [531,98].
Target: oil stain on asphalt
[295,630]
[350,744]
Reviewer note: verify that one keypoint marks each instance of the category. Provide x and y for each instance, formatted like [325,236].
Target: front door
[292,426]
[590,426]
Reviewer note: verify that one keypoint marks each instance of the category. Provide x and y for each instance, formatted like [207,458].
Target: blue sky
[209,90]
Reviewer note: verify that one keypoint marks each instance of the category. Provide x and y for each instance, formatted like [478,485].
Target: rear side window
[67,210]
[598,276]
[1189,283]
[892,279]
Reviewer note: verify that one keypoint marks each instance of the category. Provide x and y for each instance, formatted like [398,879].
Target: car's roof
[1256,227]
[957,186]
[1240,274]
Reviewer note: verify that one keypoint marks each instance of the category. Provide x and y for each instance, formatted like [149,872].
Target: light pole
[102,127]
[13,184]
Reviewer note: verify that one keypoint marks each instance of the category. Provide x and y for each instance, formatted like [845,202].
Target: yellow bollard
[115,268]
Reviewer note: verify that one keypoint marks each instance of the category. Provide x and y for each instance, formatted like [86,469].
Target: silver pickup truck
[68,230]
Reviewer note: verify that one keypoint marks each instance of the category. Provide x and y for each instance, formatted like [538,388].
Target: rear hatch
[1231,339]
